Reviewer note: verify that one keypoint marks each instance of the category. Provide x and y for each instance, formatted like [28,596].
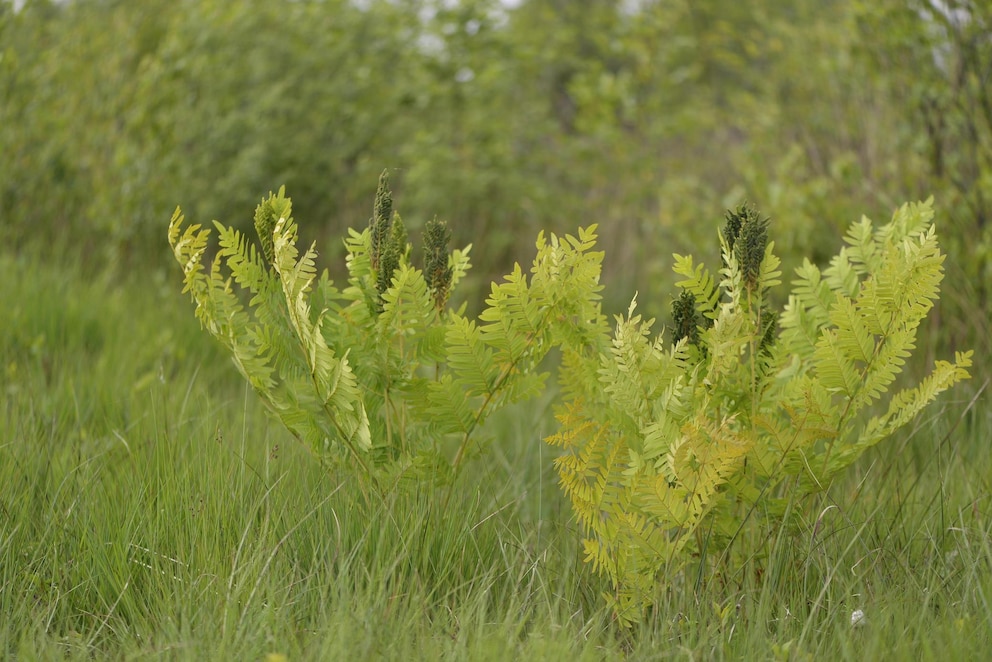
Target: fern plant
[382,376]
[669,448]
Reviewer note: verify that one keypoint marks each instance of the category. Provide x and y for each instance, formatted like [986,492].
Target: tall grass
[148,508]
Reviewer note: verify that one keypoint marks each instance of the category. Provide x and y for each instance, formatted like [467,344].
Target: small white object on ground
[857,618]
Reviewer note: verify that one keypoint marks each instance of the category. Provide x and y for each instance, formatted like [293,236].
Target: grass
[149,509]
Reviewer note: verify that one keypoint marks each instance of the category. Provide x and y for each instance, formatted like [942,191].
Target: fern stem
[460,453]
[850,401]
[366,471]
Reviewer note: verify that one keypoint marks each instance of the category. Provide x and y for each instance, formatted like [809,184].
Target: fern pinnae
[800,330]
[841,276]
[469,358]
[813,293]
[862,248]
[909,219]
[853,337]
[188,247]
[520,319]
[460,262]
[246,265]
[698,281]
[406,305]
[406,310]
[621,373]
[327,373]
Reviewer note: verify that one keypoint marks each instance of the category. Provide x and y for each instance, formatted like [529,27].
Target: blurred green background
[647,117]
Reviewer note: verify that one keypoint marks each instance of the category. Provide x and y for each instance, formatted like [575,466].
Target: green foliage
[111,111]
[670,451]
[932,59]
[378,374]
[639,117]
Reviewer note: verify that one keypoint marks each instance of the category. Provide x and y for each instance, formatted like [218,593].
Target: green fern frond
[621,372]
[731,281]
[800,329]
[834,368]
[903,408]
[448,406]
[698,281]
[922,274]
[188,247]
[246,265]
[768,273]
[469,358]
[853,337]
[910,219]
[863,251]
[885,367]
[841,276]
[813,293]
[460,264]
[407,306]
[514,317]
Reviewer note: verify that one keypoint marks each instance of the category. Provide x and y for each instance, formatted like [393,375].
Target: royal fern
[382,376]
[664,442]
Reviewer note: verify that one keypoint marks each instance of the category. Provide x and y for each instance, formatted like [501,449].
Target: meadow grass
[150,509]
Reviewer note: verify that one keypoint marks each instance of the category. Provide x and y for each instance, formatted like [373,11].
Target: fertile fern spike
[391,255]
[732,228]
[746,234]
[685,319]
[398,236]
[382,213]
[389,260]
[437,268]
[769,327]
[265,223]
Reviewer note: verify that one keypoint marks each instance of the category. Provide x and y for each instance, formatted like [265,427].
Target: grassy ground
[149,509]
